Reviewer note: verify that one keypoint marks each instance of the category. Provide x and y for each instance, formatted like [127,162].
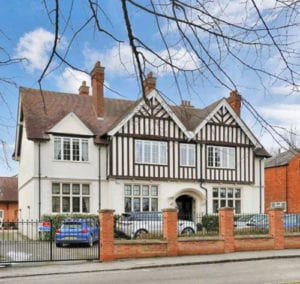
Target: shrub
[210,222]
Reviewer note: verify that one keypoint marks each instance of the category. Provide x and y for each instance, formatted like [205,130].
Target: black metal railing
[202,225]
[34,241]
[139,225]
[149,225]
[251,224]
[291,223]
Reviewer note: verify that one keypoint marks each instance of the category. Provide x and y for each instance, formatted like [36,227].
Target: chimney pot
[186,103]
[149,83]
[84,89]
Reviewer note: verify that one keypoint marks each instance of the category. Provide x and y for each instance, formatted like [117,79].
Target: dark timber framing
[154,123]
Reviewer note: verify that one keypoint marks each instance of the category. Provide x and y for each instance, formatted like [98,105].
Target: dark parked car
[77,231]
[136,224]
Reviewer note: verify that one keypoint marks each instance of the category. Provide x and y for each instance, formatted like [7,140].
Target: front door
[185,207]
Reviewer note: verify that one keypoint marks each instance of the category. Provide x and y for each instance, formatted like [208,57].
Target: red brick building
[282,181]
[8,199]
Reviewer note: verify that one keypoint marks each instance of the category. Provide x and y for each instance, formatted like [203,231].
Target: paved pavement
[46,268]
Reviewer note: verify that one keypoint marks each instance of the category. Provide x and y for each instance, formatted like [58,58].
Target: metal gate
[37,241]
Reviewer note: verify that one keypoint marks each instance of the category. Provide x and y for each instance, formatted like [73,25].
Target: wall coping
[106,211]
[253,237]
[138,242]
[200,239]
[169,210]
[226,209]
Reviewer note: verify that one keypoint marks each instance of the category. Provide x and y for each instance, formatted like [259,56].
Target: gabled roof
[191,117]
[281,159]
[8,189]
[43,111]
[134,109]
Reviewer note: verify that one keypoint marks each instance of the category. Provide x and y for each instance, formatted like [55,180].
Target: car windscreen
[71,225]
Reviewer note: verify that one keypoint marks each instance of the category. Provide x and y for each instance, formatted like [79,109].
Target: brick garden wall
[111,249]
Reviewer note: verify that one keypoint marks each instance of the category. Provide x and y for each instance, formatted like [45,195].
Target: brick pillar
[170,230]
[106,245]
[226,228]
[276,228]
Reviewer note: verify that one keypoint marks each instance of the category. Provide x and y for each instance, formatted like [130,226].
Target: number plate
[70,238]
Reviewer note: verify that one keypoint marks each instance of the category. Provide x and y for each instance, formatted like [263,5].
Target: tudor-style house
[81,152]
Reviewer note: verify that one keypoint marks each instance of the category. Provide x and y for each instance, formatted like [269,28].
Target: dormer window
[71,149]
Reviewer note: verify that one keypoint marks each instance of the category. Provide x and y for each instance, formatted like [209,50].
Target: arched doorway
[185,206]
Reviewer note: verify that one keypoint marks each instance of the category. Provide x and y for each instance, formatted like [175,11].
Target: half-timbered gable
[226,147]
[152,130]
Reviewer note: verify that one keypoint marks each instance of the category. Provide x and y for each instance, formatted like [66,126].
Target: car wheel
[188,231]
[140,234]
[91,241]
[58,245]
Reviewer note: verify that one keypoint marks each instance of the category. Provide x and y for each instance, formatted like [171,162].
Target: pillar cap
[106,211]
[169,210]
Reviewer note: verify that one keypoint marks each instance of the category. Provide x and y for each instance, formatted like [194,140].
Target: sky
[27,31]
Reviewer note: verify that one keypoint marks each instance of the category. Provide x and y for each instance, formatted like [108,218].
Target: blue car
[290,221]
[77,231]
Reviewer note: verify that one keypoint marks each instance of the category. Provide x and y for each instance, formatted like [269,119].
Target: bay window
[70,198]
[226,197]
[140,197]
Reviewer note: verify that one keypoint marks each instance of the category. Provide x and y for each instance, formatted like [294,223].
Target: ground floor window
[70,198]
[140,197]
[226,197]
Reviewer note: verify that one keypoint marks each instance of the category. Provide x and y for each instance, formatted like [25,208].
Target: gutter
[201,181]
[99,177]
[205,189]
[260,187]
[286,189]
[39,178]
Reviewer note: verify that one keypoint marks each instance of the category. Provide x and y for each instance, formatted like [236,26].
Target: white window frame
[151,152]
[224,198]
[187,154]
[81,195]
[221,157]
[141,193]
[60,151]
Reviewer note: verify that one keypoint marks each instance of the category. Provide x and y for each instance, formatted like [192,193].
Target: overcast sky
[26,32]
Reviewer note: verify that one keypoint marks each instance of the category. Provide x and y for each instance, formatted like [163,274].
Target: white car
[136,224]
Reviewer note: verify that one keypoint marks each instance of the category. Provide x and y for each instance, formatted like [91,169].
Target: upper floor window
[70,149]
[151,152]
[221,157]
[187,155]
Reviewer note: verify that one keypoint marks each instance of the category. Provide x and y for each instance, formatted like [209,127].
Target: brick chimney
[84,89]
[186,103]
[235,101]
[97,78]
[149,83]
